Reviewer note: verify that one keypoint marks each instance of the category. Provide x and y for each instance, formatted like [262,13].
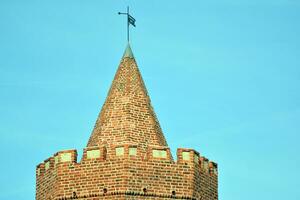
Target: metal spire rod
[127,23]
[130,20]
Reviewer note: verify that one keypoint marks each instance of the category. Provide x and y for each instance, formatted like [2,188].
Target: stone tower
[127,156]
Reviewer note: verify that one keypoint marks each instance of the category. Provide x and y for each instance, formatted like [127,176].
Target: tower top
[127,116]
[127,156]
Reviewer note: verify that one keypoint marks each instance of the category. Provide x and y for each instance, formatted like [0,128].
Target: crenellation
[94,153]
[159,153]
[213,168]
[49,164]
[204,164]
[40,169]
[123,151]
[185,155]
[66,156]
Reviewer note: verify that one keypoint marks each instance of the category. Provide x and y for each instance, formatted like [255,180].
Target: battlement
[65,156]
[155,153]
[127,151]
[118,169]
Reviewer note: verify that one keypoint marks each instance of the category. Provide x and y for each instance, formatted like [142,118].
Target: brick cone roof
[127,116]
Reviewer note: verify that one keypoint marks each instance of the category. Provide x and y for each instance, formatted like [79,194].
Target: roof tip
[128,53]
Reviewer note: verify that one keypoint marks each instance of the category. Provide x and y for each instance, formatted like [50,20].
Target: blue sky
[223,76]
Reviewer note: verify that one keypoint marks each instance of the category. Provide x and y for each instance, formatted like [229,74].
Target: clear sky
[223,76]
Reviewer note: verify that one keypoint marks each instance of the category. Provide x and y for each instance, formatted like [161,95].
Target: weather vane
[130,20]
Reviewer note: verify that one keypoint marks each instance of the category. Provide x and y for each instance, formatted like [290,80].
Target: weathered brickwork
[127,156]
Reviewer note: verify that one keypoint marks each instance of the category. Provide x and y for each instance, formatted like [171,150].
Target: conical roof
[127,116]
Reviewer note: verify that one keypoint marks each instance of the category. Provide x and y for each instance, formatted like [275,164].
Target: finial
[128,52]
[130,20]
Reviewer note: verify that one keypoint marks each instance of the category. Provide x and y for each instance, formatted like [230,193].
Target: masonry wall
[101,174]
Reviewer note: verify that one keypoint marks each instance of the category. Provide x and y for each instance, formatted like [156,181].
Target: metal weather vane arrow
[130,20]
